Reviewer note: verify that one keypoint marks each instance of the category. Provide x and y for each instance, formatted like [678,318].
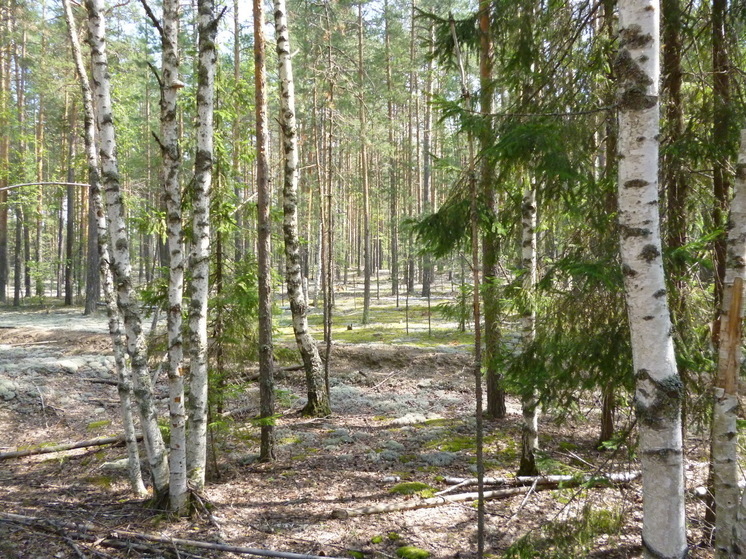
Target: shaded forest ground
[403,412]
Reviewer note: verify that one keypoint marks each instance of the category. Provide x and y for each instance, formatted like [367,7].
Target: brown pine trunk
[264,239]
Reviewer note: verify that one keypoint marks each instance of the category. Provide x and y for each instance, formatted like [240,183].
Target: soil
[400,414]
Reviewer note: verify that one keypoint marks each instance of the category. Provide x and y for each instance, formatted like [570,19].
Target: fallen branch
[623,477]
[100,441]
[427,503]
[524,485]
[101,381]
[85,531]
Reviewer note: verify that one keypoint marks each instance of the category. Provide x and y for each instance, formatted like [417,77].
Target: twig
[43,405]
[101,441]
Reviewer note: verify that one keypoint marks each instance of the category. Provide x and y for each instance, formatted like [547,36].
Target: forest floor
[403,412]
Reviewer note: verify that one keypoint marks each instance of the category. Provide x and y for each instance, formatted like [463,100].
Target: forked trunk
[124,377]
[119,250]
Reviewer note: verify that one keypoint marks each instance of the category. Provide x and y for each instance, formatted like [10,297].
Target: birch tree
[199,258]
[658,386]
[170,170]
[725,409]
[318,397]
[119,246]
[124,378]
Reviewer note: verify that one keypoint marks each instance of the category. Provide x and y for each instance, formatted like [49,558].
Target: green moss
[412,552]
[393,536]
[355,554]
[98,424]
[413,488]
[376,539]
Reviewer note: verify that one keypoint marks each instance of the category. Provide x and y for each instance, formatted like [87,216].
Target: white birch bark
[124,385]
[529,404]
[725,465]
[119,249]
[199,258]
[318,399]
[170,170]
[658,387]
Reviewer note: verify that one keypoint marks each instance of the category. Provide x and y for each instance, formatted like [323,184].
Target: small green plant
[412,552]
[567,539]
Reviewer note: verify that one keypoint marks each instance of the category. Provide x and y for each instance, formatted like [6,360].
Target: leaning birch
[199,258]
[119,249]
[658,387]
[124,384]
[725,467]
[318,398]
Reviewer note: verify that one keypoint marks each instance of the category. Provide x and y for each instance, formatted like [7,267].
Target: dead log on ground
[114,538]
[539,483]
[100,441]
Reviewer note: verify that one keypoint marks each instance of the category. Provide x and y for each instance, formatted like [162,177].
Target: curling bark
[658,390]
[725,406]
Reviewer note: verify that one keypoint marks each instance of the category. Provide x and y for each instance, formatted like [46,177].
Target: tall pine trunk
[658,386]
[264,241]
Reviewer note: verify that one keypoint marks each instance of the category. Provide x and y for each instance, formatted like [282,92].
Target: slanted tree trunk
[119,250]
[264,241]
[725,466]
[199,258]
[318,397]
[658,391]
[124,385]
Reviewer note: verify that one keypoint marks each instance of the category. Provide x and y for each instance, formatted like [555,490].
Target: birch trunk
[170,170]
[725,411]
[124,385]
[264,240]
[318,397]
[529,404]
[119,249]
[658,391]
[199,258]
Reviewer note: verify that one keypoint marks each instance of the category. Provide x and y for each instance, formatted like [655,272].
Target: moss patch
[412,552]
